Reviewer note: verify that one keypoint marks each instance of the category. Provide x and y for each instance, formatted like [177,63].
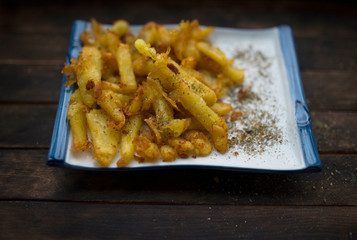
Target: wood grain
[30,83]
[24,175]
[307,17]
[335,131]
[330,90]
[24,125]
[116,221]
[41,202]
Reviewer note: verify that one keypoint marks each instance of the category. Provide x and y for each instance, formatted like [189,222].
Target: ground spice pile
[253,128]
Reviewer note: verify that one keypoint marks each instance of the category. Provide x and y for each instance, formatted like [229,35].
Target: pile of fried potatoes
[153,96]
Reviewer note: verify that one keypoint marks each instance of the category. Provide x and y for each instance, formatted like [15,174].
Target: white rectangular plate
[275,121]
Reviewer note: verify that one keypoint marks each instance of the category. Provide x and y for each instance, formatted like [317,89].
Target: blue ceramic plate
[274,133]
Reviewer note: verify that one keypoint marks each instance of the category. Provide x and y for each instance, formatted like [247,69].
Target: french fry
[212,52]
[163,111]
[136,104]
[221,108]
[236,75]
[128,134]
[105,138]
[126,71]
[124,98]
[120,27]
[154,126]
[89,74]
[142,66]
[176,127]
[206,116]
[111,103]
[77,119]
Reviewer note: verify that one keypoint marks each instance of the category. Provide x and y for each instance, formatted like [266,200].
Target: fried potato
[127,77]
[163,111]
[176,127]
[105,138]
[168,153]
[146,149]
[221,108]
[236,75]
[212,52]
[128,134]
[77,119]
[89,72]
[182,146]
[112,105]
[202,146]
[206,116]
[120,27]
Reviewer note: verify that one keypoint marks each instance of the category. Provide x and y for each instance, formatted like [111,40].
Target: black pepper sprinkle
[256,129]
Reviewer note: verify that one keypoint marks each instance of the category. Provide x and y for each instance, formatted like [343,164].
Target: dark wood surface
[41,202]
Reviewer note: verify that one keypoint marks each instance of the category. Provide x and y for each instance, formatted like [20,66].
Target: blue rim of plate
[59,141]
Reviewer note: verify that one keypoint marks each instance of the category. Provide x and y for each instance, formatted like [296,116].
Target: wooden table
[41,202]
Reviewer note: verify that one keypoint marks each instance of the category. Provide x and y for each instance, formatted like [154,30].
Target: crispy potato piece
[201,143]
[201,34]
[110,71]
[111,103]
[182,146]
[156,35]
[89,72]
[97,29]
[71,72]
[75,97]
[195,125]
[221,108]
[214,53]
[234,74]
[169,73]
[163,111]
[142,66]
[182,43]
[126,71]
[154,126]
[146,149]
[124,98]
[189,62]
[77,119]
[109,41]
[145,49]
[87,38]
[176,127]
[120,27]
[105,138]
[136,104]
[206,116]
[146,132]
[168,153]
[128,134]
[209,64]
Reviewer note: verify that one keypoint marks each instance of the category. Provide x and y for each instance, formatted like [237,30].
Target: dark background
[41,202]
